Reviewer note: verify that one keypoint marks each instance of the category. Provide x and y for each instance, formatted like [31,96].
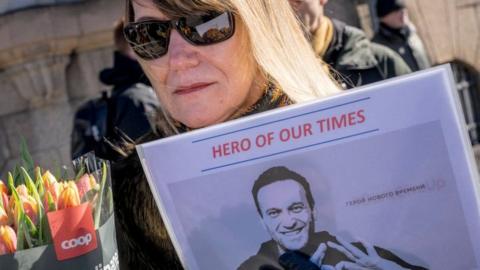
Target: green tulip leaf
[26,232]
[39,181]
[32,229]
[80,173]
[20,236]
[98,209]
[26,158]
[110,201]
[89,196]
[51,203]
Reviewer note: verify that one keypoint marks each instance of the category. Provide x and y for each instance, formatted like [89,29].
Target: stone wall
[15,5]
[49,61]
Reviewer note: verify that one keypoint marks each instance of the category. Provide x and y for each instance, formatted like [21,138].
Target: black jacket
[130,107]
[267,256]
[406,43]
[359,61]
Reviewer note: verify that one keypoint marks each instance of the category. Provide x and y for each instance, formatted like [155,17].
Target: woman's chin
[196,121]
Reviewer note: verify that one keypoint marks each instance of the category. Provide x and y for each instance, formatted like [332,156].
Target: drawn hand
[318,256]
[360,259]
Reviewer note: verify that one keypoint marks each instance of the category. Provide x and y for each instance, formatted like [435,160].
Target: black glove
[293,260]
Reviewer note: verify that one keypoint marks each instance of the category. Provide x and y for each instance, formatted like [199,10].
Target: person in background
[130,107]
[346,49]
[209,62]
[398,33]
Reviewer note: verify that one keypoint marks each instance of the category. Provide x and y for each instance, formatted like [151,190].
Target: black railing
[468,87]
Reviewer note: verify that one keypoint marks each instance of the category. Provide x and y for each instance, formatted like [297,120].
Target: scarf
[321,41]
[322,37]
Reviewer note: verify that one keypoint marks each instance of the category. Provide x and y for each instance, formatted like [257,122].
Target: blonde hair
[278,44]
[282,51]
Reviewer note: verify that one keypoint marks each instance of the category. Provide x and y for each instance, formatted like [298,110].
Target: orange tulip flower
[48,180]
[69,196]
[46,205]
[4,219]
[30,207]
[8,240]
[84,184]
[22,190]
[52,189]
[4,197]
[3,187]
[6,204]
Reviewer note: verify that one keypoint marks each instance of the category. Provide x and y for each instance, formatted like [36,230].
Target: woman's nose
[182,55]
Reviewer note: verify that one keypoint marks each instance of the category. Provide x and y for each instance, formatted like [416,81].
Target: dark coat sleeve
[134,110]
[143,241]
[389,62]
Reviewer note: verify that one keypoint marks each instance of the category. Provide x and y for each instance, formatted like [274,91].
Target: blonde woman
[209,61]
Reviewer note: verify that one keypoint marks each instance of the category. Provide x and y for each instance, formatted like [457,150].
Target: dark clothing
[406,43]
[129,107]
[134,110]
[359,61]
[384,7]
[125,72]
[267,256]
[143,241]
[142,238]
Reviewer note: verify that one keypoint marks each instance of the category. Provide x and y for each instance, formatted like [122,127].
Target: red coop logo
[73,231]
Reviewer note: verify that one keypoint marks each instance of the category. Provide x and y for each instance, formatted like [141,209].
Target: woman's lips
[187,89]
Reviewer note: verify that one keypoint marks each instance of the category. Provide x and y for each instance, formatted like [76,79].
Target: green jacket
[358,61]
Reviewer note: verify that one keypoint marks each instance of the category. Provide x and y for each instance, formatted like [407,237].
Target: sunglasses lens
[207,29]
[148,39]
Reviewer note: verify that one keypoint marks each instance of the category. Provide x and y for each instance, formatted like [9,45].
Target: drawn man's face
[286,213]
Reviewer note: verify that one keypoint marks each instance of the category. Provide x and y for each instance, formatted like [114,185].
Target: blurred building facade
[50,54]
[7,6]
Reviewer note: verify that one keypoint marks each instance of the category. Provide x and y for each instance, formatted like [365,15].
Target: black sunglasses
[150,39]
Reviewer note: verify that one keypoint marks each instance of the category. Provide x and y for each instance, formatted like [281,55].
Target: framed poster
[380,175]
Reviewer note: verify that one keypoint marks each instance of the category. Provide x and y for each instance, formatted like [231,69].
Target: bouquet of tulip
[38,209]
